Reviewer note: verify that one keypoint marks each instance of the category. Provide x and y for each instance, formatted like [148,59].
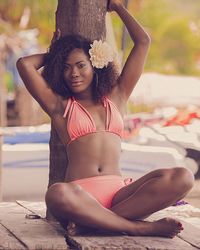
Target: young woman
[85,97]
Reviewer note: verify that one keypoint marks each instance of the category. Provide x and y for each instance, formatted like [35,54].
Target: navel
[99,169]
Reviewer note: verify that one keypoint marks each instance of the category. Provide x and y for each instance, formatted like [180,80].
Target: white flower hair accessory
[101,54]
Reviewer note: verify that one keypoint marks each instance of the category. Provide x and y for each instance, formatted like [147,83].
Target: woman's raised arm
[135,62]
[37,86]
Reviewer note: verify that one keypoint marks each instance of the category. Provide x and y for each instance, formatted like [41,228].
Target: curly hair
[103,81]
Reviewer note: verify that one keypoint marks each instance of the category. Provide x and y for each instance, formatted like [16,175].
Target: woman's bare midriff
[99,157]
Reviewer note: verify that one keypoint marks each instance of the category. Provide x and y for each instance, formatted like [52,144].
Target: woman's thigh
[130,189]
[176,181]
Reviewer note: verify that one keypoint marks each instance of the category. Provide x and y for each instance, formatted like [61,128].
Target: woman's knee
[185,178]
[179,179]
[61,194]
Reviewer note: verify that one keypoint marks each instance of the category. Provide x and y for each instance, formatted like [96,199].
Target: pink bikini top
[81,123]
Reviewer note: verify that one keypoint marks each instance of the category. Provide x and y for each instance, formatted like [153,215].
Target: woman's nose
[74,72]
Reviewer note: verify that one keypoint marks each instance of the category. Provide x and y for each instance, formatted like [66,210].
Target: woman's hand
[114,4]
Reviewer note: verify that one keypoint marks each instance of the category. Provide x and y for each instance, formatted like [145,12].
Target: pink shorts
[102,188]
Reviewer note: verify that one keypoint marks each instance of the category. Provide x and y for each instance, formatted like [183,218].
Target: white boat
[186,143]
[140,159]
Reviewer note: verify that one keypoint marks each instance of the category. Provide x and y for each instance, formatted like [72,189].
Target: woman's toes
[71,228]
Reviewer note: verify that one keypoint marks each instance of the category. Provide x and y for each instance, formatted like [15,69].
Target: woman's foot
[166,227]
[74,229]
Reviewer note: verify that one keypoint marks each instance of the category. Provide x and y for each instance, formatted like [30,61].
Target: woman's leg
[68,201]
[154,191]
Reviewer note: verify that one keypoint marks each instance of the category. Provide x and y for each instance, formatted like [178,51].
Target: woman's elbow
[20,63]
[146,40]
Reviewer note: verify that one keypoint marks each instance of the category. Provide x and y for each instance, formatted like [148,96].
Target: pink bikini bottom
[103,188]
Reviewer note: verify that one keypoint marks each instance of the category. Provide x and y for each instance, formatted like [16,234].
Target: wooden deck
[19,231]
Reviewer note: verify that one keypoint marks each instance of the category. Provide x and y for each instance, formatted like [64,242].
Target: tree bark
[86,18]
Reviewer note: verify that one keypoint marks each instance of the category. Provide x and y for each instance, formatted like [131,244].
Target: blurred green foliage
[173,26]
[42,16]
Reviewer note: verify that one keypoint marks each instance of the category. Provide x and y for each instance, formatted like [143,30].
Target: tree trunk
[86,18]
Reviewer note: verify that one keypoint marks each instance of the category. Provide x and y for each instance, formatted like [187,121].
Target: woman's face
[78,71]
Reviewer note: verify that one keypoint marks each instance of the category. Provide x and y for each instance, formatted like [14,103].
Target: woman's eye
[66,68]
[81,65]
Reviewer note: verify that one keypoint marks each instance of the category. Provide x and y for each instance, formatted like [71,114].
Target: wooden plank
[123,242]
[37,207]
[128,242]
[35,234]
[164,243]
[104,242]
[8,241]
[191,233]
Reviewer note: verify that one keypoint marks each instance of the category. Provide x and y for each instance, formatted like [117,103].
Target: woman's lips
[75,84]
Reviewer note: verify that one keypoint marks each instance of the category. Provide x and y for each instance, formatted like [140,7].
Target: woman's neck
[84,96]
